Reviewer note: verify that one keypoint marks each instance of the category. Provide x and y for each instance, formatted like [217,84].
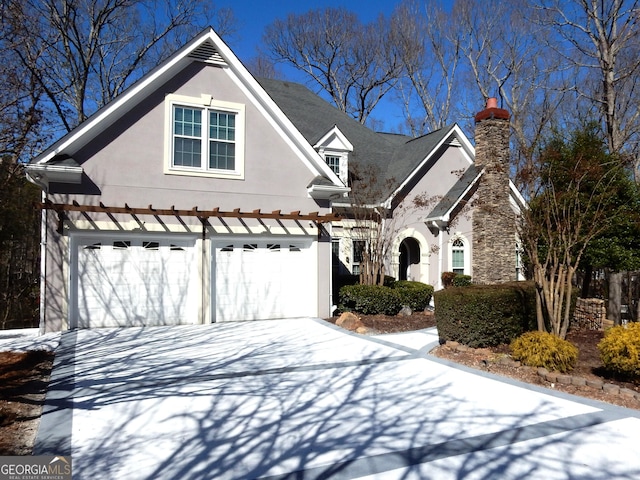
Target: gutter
[42,174]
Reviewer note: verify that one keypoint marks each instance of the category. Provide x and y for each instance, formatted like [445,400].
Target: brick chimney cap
[492,111]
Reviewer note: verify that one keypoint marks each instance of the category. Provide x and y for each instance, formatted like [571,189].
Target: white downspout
[43,265]
[441,259]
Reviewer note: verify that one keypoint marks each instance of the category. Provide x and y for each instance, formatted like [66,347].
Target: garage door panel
[263,279]
[135,282]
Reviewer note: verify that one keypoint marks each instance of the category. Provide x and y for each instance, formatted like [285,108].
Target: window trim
[466,253]
[343,162]
[206,103]
[356,262]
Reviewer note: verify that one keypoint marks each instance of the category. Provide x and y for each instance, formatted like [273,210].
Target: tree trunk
[615,294]
[586,281]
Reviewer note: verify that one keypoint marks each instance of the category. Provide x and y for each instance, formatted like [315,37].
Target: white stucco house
[202,194]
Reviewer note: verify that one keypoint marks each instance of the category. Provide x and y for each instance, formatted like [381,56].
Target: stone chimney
[494,221]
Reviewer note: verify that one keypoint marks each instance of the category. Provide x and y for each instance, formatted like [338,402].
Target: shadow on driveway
[303,399]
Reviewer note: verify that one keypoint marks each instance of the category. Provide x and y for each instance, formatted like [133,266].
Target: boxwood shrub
[370,299]
[485,315]
[416,295]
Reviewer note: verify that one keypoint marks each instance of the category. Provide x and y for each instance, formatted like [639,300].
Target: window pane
[222,155]
[187,130]
[334,163]
[222,126]
[187,122]
[358,250]
[457,259]
[186,152]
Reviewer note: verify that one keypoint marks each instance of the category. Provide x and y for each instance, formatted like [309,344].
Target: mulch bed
[588,366]
[23,383]
[395,324]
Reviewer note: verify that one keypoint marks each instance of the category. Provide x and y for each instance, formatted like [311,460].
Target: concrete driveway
[303,399]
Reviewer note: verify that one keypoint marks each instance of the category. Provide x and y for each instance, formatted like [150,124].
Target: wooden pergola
[202,215]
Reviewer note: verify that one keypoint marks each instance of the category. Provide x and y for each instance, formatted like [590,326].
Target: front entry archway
[409,264]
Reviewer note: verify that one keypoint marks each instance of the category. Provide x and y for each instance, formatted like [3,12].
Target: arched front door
[409,266]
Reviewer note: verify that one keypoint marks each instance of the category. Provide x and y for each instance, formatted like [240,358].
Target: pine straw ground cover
[24,376]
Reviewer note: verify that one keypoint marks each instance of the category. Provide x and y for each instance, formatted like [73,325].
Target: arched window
[457,256]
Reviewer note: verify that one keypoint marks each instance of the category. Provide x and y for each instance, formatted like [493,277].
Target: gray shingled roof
[396,156]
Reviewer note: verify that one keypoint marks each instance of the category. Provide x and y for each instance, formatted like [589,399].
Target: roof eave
[42,174]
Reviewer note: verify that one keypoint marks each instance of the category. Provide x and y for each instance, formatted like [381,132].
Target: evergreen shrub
[542,349]
[461,280]
[620,350]
[485,315]
[370,299]
[416,295]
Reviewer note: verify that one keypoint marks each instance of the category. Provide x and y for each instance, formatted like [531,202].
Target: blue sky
[252,16]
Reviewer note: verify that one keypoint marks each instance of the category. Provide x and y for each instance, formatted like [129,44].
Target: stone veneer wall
[494,221]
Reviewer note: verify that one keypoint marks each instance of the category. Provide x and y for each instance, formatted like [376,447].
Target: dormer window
[334,163]
[335,148]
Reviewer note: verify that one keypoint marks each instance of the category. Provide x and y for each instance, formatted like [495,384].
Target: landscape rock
[350,321]
[595,383]
[578,381]
[611,388]
[564,379]
[405,312]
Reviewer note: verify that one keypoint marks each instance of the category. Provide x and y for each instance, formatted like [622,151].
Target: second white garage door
[264,279]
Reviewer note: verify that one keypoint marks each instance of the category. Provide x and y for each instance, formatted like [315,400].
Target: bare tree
[372,221]
[83,53]
[262,66]
[506,56]
[20,97]
[430,58]
[355,64]
[601,38]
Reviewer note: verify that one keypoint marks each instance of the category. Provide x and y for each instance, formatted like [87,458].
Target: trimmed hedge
[461,280]
[370,299]
[450,279]
[485,315]
[416,295]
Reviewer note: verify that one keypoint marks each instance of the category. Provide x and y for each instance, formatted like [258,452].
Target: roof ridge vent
[207,53]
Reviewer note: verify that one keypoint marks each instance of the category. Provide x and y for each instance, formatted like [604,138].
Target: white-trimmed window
[205,137]
[334,163]
[459,255]
[358,248]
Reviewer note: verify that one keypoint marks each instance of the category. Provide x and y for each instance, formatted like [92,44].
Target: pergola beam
[194,212]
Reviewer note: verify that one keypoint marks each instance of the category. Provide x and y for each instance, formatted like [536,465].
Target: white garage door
[124,281]
[264,279]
